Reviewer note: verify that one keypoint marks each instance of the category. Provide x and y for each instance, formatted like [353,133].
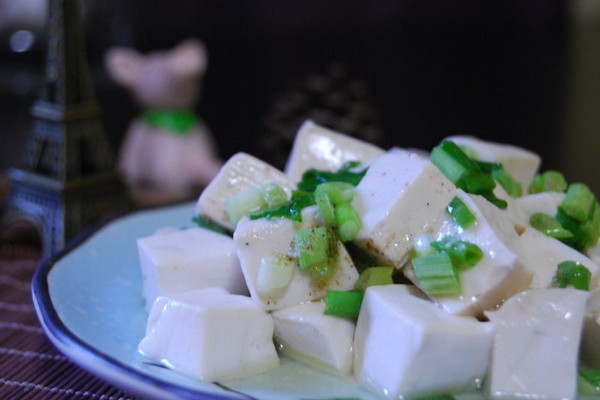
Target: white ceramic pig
[167,147]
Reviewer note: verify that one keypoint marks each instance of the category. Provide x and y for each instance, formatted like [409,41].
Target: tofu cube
[240,173]
[542,254]
[402,196]
[520,163]
[500,273]
[323,149]
[303,332]
[185,259]
[255,239]
[405,346]
[536,344]
[210,334]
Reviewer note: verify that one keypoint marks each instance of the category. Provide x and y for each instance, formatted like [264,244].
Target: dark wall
[423,69]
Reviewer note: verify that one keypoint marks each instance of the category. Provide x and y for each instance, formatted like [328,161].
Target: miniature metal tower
[68,181]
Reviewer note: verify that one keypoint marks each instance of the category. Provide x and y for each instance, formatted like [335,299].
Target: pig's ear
[124,65]
[189,58]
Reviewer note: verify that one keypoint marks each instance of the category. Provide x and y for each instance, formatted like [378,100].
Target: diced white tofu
[519,219]
[520,163]
[210,334]
[590,345]
[500,273]
[186,259]
[240,173]
[323,149]
[401,196]
[405,346]
[545,202]
[308,335]
[256,239]
[536,345]
[542,254]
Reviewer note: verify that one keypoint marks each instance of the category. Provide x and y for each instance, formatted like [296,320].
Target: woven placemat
[30,366]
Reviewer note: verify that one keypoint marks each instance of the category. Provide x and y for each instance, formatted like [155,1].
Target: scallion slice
[578,202]
[549,181]
[452,161]
[589,380]
[312,177]
[348,222]
[326,208]
[549,226]
[291,210]
[476,182]
[275,273]
[208,224]
[243,203]
[273,194]
[436,274]
[343,303]
[312,246]
[491,197]
[374,276]
[464,255]
[508,183]
[572,273]
[461,214]
[338,192]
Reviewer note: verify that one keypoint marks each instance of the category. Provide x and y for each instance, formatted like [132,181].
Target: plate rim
[90,358]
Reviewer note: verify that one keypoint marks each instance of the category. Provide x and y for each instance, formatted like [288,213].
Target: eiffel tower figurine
[68,181]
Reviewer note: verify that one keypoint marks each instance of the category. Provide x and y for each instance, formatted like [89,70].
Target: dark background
[416,71]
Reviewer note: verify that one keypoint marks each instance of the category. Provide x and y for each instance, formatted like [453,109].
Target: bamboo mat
[30,366]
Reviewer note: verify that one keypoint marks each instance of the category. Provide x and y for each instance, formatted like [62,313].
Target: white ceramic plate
[90,304]
[89,301]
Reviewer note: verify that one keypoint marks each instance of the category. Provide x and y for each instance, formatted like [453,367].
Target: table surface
[30,366]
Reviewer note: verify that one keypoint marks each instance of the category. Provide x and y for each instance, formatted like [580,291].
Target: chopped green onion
[208,224]
[578,202]
[274,273]
[549,226]
[322,272]
[338,192]
[436,274]
[312,246]
[487,166]
[348,222]
[464,172]
[585,234]
[362,259]
[326,208]
[491,197]
[374,276]
[461,214]
[243,203]
[508,183]
[343,303]
[437,397]
[464,255]
[549,181]
[273,194]
[452,161]
[589,380]
[572,273]
[312,177]
[475,182]
[291,210]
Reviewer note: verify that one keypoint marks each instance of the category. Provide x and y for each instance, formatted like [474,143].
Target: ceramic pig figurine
[167,147]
